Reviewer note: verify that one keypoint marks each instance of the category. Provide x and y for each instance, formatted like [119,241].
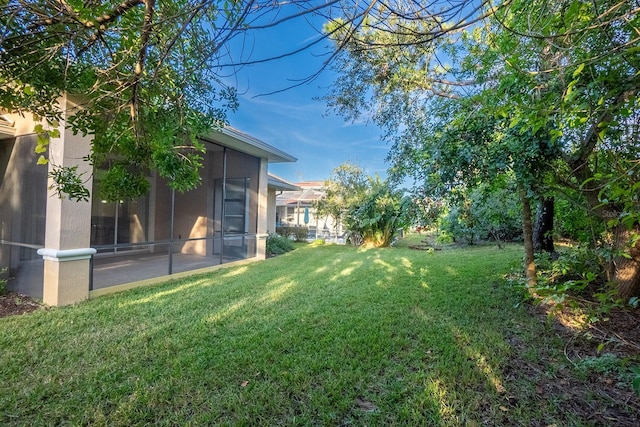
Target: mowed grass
[325,335]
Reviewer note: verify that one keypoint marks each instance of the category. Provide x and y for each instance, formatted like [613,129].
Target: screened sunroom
[163,233]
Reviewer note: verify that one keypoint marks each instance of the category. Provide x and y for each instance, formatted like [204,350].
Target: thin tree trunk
[527,231]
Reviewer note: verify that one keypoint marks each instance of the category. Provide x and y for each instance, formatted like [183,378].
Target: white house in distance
[277,187]
[63,251]
[297,208]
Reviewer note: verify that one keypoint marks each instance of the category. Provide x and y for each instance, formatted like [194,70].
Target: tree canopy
[149,75]
[544,90]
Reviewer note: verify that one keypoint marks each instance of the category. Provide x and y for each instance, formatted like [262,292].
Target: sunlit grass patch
[324,335]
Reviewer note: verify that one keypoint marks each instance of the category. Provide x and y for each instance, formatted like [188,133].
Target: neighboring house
[277,186]
[64,251]
[297,208]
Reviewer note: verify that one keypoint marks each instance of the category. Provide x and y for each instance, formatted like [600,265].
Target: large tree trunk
[543,229]
[625,271]
[527,231]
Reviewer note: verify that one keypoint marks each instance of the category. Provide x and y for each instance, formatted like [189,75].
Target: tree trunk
[625,272]
[543,229]
[527,231]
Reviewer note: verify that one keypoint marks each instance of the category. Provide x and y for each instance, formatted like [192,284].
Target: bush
[278,245]
[3,281]
[487,212]
[574,222]
[444,238]
[576,272]
[381,213]
[299,234]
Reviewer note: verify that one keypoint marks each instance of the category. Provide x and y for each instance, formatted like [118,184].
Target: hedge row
[299,233]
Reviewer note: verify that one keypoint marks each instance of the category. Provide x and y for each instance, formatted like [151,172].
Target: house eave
[233,138]
[7,132]
[279,184]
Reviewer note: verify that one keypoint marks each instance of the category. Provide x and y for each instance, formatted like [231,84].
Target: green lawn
[324,335]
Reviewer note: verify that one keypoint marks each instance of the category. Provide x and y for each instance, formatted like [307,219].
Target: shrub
[574,222]
[278,245]
[299,234]
[381,213]
[578,273]
[3,281]
[487,212]
[444,238]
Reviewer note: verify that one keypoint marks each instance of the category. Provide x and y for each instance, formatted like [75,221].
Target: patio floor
[115,270]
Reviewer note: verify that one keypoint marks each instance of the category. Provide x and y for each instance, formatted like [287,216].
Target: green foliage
[574,222]
[459,223]
[67,182]
[424,211]
[123,182]
[485,212]
[604,364]
[371,209]
[552,102]
[610,365]
[144,76]
[572,263]
[635,383]
[618,195]
[577,272]
[379,215]
[444,238]
[3,281]
[278,245]
[346,187]
[299,234]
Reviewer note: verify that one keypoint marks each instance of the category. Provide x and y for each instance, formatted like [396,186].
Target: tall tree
[585,95]
[552,85]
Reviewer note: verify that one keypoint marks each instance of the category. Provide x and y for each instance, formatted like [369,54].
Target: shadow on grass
[328,335]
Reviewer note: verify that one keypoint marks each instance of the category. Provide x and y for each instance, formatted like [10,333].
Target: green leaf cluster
[544,91]
[144,75]
[369,207]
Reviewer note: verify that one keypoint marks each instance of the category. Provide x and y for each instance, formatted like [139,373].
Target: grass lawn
[324,335]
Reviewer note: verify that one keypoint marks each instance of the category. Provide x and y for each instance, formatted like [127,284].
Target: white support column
[271,211]
[68,224]
[263,211]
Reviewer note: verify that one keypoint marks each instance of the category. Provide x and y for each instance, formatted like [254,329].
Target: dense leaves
[142,72]
[370,209]
[380,214]
[543,91]
[484,213]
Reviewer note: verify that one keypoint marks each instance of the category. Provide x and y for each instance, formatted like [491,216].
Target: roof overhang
[7,131]
[234,139]
[280,184]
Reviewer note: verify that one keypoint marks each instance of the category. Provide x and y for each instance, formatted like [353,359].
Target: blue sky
[293,120]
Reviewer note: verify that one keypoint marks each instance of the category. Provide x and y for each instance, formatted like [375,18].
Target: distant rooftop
[308,192]
[6,127]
